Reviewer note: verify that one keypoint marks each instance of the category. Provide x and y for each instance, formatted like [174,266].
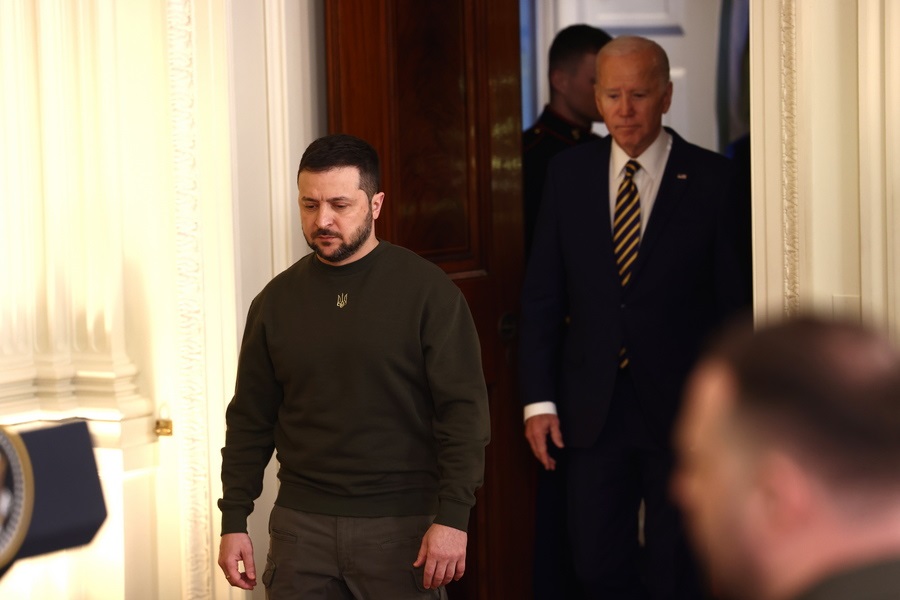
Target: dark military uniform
[548,136]
[554,575]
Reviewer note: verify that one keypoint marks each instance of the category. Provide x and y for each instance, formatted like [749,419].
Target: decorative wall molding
[789,181]
[775,222]
[189,407]
[830,248]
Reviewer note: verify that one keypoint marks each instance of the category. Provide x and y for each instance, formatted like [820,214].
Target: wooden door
[435,87]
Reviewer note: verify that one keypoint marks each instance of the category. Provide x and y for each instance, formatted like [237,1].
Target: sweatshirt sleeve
[461,423]
[250,424]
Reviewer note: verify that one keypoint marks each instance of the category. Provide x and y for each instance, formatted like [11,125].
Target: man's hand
[443,552]
[234,548]
[537,428]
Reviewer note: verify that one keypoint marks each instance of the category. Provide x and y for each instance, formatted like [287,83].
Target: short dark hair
[343,150]
[830,390]
[573,42]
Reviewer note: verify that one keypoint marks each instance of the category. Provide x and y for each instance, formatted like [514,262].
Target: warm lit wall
[117,271]
[826,130]
[146,192]
[277,73]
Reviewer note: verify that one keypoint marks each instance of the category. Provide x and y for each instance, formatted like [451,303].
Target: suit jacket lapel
[671,190]
[601,192]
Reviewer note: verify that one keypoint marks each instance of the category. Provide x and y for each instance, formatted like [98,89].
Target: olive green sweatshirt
[366,380]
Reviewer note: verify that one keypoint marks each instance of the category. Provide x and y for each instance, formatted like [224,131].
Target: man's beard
[346,249]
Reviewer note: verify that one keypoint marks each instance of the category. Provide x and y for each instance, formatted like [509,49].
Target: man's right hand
[537,428]
[233,549]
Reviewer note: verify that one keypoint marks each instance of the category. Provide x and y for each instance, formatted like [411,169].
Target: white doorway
[687,29]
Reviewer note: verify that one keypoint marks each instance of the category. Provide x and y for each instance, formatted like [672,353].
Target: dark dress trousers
[576,316]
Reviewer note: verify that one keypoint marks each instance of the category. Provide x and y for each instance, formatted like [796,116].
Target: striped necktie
[627,231]
[627,224]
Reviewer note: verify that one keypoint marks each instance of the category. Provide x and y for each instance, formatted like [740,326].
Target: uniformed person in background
[566,121]
[568,118]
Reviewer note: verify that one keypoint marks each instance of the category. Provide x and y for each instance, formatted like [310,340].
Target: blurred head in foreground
[789,459]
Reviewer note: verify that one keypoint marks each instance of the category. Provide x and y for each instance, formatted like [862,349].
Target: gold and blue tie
[627,231]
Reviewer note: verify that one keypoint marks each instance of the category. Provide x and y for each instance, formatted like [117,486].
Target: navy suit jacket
[576,315]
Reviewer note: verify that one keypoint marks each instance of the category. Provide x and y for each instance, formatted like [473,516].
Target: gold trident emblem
[342,300]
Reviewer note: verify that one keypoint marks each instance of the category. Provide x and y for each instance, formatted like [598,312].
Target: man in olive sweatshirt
[360,367]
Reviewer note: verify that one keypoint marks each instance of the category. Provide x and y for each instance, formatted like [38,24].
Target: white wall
[826,129]
[138,219]
[688,30]
[278,88]
[139,147]
[86,241]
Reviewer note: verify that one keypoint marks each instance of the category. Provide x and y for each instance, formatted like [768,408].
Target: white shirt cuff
[539,408]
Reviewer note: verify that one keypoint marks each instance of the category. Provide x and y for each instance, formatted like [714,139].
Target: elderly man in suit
[634,264]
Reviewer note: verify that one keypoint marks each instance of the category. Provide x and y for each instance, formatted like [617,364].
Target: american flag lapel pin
[681,176]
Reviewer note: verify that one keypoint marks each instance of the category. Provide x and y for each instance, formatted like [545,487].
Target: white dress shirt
[653,165]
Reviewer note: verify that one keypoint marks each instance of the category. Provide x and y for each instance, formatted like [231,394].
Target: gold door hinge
[163,427]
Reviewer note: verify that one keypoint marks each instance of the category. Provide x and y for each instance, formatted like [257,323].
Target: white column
[879,148]
[826,129]
[872,167]
[829,157]
[20,218]
[67,149]
[104,378]
[63,306]
[60,169]
[892,157]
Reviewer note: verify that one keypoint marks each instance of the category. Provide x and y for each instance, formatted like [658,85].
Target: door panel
[435,87]
[434,179]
